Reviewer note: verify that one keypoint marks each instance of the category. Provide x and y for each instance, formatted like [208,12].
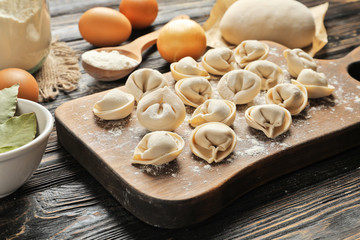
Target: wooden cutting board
[189,190]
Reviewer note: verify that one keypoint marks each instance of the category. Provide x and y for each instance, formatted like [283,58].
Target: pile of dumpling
[241,73]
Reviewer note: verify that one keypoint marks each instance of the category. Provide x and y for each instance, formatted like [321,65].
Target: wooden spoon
[133,50]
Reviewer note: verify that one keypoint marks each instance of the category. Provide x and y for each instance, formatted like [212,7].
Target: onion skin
[181,38]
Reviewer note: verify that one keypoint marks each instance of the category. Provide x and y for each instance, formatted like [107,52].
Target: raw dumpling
[212,141]
[287,22]
[193,91]
[214,110]
[144,81]
[219,61]
[315,83]
[239,86]
[161,110]
[249,51]
[271,119]
[293,96]
[269,72]
[158,147]
[114,105]
[187,67]
[297,60]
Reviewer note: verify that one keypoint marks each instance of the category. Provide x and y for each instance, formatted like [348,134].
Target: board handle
[353,67]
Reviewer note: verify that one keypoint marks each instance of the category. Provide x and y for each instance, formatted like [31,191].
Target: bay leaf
[17,131]
[8,99]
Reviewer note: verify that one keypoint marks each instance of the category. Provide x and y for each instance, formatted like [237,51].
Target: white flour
[108,60]
[25,33]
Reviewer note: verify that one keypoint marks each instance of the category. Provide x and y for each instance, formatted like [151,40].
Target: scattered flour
[115,132]
[255,150]
[274,52]
[239,139]
[195,169]
[350,109]
[357,99]
[208,166]
[285,145]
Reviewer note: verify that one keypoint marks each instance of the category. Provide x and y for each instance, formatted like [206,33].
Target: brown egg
[103,26]
[28,87]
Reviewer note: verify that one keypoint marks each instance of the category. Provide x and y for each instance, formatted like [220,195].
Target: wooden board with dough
[189,190]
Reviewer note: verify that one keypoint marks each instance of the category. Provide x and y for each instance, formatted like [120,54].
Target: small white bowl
[18,165]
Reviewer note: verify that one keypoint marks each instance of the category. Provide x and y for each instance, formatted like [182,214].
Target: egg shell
[28,86]
[103,26]
[141,13]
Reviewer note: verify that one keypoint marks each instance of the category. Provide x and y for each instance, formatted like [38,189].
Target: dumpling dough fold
[315,83]
[161,110]
[271,119]
[187,67]
[144,81]
[214,110]
[292,96]
[212,141]
[158,148]
[114,105]
[297,60]
[239,86]
[193,91]
[250,50]
[219,61]
[269,72]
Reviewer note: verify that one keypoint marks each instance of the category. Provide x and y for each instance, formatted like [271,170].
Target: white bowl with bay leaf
[25,127]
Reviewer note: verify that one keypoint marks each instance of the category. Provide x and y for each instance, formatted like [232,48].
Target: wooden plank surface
[63,201]
[189,190]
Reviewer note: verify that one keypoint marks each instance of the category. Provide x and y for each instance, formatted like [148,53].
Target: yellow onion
[181,38]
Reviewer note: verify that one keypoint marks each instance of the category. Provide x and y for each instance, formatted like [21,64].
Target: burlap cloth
[60,72]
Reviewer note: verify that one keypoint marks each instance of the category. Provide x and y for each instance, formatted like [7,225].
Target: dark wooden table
[63,201]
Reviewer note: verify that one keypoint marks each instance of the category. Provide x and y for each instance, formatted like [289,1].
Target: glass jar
[25,34]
